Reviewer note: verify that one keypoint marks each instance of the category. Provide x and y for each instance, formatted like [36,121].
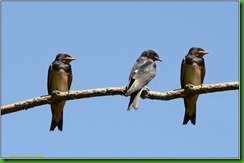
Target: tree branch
[71,95]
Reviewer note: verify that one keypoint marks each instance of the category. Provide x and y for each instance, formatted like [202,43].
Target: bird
[59,79]
[143,71]
[192,73]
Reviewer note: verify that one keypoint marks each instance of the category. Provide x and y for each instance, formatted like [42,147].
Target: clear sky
[106,38]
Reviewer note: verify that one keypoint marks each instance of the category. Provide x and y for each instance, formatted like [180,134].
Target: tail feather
[55,124]
[134,100]
[132,97]
[187,118]
[58,124]
[190,109]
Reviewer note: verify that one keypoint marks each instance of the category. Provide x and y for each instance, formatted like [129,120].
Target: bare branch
[71,95]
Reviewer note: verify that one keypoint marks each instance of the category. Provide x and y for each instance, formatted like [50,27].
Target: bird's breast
[60,81]
[193,74]
[150,68]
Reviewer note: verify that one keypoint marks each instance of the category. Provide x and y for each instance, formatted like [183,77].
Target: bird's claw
[187,86]
[143,93]
[55,92]
[147,88]
[187,90]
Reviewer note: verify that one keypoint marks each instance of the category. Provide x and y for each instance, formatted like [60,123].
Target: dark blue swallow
[193,73]
[60,79]
[141,74]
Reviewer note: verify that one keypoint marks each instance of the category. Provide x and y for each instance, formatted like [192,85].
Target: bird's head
[65,58]
[198,52]
[150,54]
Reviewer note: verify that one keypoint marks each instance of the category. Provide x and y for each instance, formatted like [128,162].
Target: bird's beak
[69,59]
[202,52]
[157,59]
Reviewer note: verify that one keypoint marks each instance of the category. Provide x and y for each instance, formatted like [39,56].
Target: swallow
[192,72]
[60,79]
[143,71]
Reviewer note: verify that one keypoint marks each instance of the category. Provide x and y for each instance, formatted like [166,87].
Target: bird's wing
[136,67]
[203,71]
[50,79]
[141,76]
[134,71]
[70,78]
[182,74]
[146,73]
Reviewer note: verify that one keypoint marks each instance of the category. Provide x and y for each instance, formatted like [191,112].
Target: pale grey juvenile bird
[141,74]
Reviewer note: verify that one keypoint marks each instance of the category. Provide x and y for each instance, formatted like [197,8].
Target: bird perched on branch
[60,79]
[192,73]
[141,74]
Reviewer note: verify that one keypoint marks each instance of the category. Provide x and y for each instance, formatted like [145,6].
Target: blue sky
[106,38]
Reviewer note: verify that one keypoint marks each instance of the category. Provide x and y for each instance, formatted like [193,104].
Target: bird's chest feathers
[60,80]
[193,74]
[149,66]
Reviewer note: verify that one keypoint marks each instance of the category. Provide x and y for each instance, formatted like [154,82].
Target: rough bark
[110,91]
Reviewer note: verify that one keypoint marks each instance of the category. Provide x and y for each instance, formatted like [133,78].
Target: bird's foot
[147,88]
[125,91]
[55,92]
[187,86]
[187,90]
[144,93]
